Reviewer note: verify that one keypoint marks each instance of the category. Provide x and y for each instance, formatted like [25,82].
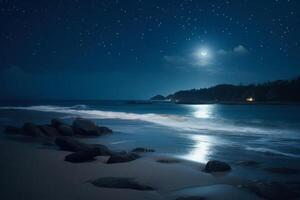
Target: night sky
[127,49]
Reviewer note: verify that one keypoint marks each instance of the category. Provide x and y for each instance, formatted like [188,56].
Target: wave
[169,120]
[272,151]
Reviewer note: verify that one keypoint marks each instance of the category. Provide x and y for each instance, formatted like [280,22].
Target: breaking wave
[272,152]
[169,120]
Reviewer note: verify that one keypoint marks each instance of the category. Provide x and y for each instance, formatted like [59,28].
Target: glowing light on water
[203,111]
[201,149]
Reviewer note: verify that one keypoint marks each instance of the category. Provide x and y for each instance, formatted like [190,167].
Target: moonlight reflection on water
[201,149]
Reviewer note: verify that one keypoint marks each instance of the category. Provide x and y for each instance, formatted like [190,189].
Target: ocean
[268,134]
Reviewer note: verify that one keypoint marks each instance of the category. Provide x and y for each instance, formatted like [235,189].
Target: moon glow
[203,53]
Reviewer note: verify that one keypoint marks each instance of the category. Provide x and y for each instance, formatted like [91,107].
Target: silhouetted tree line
[275,91]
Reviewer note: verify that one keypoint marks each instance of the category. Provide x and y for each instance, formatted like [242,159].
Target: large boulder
[216,166]
[80,156]
[122,157]
[69,144]
[57,122]
[32,130]
[65,130]
[88,128]
[48,130]
[120,183]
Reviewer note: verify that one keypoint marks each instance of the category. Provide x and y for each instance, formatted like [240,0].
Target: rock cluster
[63,135]
[80,127]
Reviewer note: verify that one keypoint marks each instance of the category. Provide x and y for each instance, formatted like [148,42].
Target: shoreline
[42,173]
[38,157]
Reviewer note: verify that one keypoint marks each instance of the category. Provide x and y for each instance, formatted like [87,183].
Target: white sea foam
[168,120]
[272,151]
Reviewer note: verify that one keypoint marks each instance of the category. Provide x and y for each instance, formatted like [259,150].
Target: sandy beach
[36,172]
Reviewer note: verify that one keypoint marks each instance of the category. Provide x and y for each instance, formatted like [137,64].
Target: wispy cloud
[237,50]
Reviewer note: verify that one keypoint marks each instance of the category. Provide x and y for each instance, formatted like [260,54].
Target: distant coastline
[276,93]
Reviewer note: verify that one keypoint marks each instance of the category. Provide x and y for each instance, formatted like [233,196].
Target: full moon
[203,53]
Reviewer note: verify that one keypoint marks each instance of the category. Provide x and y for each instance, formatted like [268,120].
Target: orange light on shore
[250,99]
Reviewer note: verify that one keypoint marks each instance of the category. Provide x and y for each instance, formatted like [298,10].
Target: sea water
[268,134]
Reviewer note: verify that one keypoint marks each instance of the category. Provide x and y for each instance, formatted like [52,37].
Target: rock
[248,163]
[69,144]
[88,128]
[122,157]
[80,156]
[274,190]
[65,130]
[32,130]
[57,122]
[216,166]
[282,170]
[49,130]
[13,130]
[142,150]
[121,183]
[191,198]
[100,150]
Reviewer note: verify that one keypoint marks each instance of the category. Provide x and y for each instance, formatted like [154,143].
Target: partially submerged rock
[282,170]
[274,190]
[122,157]
[121,183]
[216,166]
[88,128]
[142,150]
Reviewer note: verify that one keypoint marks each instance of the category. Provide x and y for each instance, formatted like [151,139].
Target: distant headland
[275,92]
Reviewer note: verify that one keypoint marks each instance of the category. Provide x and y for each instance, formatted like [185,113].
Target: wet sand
[30,171]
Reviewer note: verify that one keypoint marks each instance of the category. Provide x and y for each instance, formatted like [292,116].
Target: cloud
[237,50]
[240,49]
